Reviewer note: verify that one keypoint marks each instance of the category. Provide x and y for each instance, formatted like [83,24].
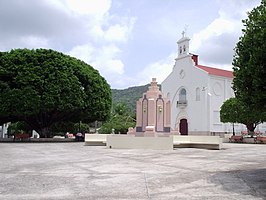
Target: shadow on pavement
[245,182]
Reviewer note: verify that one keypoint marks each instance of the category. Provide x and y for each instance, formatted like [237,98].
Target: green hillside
[129,96]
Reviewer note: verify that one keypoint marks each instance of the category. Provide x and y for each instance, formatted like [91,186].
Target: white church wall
[186,75]
[202,108]
[261,128]
[3,130]
[220,91]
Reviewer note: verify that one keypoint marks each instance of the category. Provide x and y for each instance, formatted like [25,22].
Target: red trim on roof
[216,72]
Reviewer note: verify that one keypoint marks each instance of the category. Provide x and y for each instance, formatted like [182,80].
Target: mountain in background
[129,96]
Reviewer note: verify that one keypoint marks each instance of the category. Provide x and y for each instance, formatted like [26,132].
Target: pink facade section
[153,113]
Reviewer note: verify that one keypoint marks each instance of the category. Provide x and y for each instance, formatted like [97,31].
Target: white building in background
[3,130]
[197,92]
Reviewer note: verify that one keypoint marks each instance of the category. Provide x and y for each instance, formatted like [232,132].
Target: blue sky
[128,41]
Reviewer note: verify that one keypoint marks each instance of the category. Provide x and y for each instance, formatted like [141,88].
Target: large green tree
[250,62]
[42,87]
[234,110]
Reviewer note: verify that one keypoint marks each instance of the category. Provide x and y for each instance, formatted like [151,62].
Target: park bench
[260,139]
[236,138]
[21,136]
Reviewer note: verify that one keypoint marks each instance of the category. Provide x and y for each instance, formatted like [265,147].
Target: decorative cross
[183,33]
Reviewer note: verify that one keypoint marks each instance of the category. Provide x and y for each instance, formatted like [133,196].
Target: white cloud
[216,42]
[216,28]
[31,42]
[235,9]
[159,70]
[58,4]
[120,32]
[34,42]
[105,59]
[115,31]
[114,66]
[83,52]
[96,32]
[105,32]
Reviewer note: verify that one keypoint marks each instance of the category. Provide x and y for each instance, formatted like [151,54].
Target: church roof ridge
[216,71]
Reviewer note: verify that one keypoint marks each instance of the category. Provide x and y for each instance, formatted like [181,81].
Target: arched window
[183,96]
[180,49]
[197,94]
[184,48]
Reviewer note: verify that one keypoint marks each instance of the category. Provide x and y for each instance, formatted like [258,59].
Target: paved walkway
[69,171]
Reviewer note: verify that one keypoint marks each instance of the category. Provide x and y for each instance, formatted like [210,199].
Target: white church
[196,93]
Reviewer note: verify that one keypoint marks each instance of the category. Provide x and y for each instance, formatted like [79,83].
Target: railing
[182,103]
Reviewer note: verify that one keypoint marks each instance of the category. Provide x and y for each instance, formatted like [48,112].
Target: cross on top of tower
[183,33]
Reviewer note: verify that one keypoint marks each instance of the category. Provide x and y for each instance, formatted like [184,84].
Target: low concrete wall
[249,140]
[166,143]
[207,133]
[95,139]
[206,142]
[199,133]
[131,142]
[226,137]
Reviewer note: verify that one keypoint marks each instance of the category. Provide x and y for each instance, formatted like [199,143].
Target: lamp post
[79,126]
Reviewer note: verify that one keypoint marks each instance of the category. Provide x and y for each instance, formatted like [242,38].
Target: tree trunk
[251,127]
[45,133]
[234,129]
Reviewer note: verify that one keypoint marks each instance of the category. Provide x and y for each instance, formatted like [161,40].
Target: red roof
[216,72]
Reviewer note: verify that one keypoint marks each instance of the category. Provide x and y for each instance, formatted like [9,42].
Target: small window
[180,50]
[184,48]
[197,94]
[183,96]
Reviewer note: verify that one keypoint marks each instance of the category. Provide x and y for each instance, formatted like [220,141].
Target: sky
[128,41]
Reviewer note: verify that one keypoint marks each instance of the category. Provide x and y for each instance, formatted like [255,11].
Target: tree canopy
[42,87]
[234,110]
[250,62]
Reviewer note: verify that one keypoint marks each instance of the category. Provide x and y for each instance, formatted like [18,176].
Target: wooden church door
[183,127]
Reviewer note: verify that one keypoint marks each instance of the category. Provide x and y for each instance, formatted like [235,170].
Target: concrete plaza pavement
[30,171]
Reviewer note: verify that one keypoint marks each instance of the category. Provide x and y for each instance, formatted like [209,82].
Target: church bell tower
[183,46]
